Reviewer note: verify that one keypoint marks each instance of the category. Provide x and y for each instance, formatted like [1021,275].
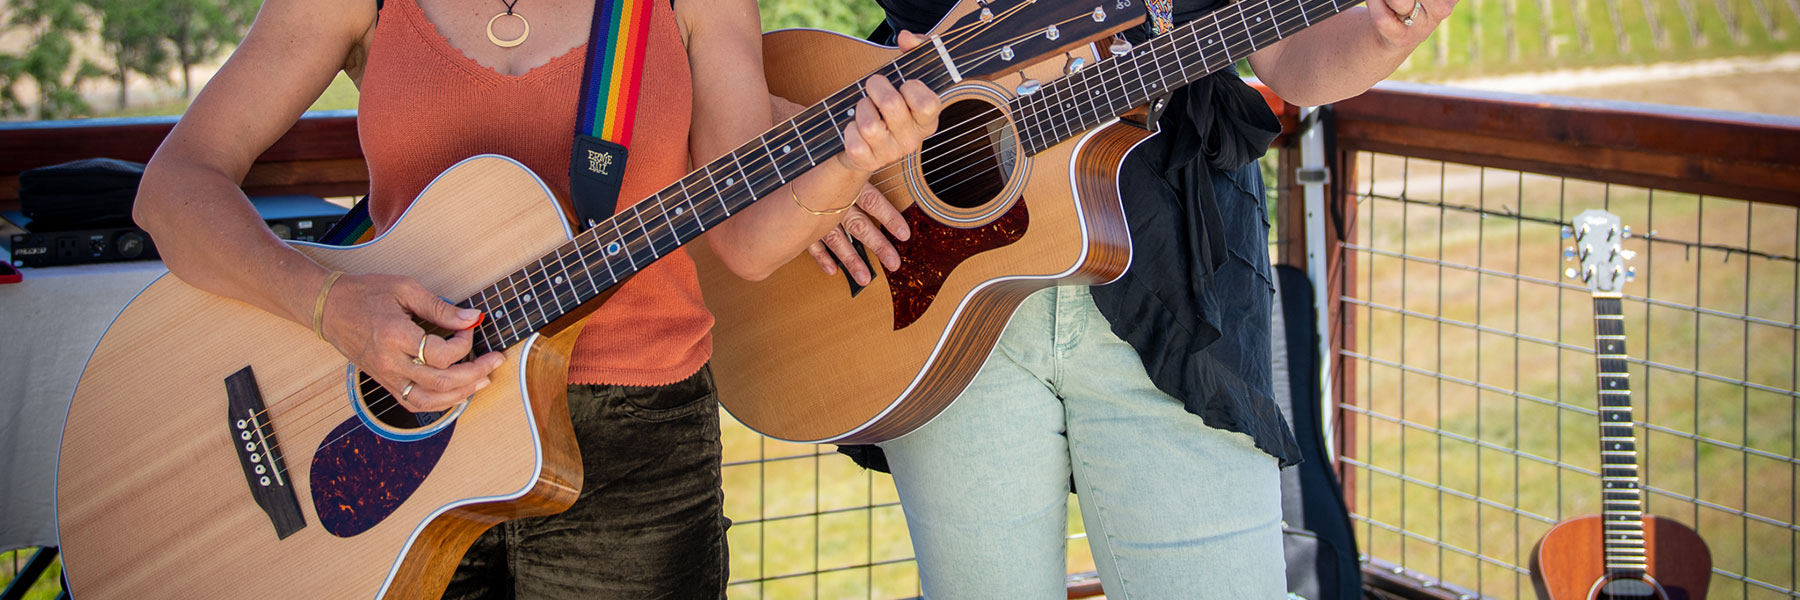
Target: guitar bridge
[259,453]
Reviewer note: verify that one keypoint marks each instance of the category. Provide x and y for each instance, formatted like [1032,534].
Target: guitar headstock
[990,38]
[1599,249]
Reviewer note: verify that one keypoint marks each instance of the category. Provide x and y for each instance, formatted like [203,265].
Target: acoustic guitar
[213,450]
[1621,553]
[1021,196]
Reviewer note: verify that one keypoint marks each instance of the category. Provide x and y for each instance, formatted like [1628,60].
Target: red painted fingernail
[478,319]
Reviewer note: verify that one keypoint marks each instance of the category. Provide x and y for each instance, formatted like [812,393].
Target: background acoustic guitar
[1622,553]
[213,450]
[1017,192]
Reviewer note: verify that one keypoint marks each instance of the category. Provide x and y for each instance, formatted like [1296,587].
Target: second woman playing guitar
[1153,392]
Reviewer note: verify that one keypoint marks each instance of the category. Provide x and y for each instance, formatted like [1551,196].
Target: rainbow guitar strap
[609,95]
[608,108]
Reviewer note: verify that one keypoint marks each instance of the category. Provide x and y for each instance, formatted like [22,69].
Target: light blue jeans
[1173,508]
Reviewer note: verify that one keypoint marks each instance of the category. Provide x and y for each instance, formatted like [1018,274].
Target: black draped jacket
[1164,306]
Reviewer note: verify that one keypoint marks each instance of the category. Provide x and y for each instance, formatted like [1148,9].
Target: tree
[132,31]
[50,61]
[198,30]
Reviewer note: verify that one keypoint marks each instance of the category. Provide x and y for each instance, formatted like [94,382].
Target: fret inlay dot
[730,180]
[525,298]
[612,248]
[558,280]
[787,149]
[679,210]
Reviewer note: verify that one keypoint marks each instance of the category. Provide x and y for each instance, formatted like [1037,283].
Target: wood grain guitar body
[806,356]
[1569,563]
[153,502]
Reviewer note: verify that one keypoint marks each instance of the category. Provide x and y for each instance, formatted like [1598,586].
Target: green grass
[1488,37]
[48,585]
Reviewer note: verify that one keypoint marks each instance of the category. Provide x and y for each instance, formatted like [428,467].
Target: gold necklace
[509,13]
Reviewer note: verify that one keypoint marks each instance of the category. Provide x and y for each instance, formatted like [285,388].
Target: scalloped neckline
[424,25]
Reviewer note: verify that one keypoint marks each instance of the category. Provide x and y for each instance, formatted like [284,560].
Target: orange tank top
[425,106]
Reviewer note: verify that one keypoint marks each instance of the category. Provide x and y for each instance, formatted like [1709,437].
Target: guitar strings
[918,58]
[1230,42]
[652,236]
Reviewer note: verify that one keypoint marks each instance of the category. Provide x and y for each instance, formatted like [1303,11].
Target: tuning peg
[1627,232]
[1120,47]
[1628,254]
[1075,64]
[987,15]
[1099,15]
[1569,253]
[1631,274]
[1052,33]
[1567,232]
[1006,53]
[1569,273]
[1029,87]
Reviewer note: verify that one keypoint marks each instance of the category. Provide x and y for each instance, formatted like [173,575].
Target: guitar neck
[610,252]
[1623,512]
[1085,99]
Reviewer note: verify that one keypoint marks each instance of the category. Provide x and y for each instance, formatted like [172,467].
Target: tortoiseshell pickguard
[359,478]
[935,250]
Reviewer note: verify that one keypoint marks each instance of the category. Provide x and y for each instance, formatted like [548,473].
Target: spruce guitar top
[1622,553]
[213,450]
[1017,192]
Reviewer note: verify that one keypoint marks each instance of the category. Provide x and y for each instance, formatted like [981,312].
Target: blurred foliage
[198,30]
[139,36]
[132,33]
[855,18]
[49,62]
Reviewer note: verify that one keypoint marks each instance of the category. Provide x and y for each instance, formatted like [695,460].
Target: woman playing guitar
[442,80]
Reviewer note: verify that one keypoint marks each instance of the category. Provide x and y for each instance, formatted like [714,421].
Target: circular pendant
[512,42]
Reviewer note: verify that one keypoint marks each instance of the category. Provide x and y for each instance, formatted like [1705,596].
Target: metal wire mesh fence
[809,523]
[1473,408]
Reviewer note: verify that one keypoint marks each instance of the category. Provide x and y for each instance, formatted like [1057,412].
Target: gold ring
[406,391]
[419,359]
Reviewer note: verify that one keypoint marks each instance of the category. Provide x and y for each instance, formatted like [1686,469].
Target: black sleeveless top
[1164,306]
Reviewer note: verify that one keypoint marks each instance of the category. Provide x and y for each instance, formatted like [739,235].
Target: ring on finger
[419,358]
[1417,6]
[406,391]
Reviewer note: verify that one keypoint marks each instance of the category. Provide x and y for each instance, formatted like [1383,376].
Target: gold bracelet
[817,213]
[319,305]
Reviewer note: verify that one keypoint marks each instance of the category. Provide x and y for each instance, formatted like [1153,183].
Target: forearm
[1337,59]
[758,240]
[212,238]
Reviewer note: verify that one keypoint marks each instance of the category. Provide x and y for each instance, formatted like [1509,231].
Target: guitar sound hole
[1627,589]
[968,162]
[384,407]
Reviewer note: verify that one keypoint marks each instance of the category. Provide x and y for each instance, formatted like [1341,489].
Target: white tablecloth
[49,323]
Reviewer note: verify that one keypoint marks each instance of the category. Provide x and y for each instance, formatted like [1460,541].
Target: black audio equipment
[301,218]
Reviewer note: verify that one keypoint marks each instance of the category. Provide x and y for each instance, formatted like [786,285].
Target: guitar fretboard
[1621,493]
[612,251]
[1083,100]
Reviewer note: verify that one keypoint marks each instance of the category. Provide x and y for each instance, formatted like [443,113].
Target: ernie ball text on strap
[609,96]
